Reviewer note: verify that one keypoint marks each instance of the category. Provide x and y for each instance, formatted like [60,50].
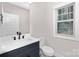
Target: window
[65,16]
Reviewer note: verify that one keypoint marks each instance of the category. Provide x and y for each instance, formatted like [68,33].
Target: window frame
[65,35]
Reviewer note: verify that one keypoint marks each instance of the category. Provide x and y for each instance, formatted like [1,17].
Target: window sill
[65,37]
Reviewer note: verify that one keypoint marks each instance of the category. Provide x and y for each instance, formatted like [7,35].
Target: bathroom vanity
[31,50]
[28,47]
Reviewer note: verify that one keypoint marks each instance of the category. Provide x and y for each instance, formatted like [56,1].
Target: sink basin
[8,44]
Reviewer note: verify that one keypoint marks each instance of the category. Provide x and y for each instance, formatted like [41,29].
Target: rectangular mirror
[10,24]
[13,19]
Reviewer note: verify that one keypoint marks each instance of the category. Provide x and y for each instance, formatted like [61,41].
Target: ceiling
[25,5]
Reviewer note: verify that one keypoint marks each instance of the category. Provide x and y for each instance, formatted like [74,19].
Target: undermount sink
[10,44]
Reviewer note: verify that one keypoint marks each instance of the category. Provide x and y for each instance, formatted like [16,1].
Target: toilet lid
[48,50]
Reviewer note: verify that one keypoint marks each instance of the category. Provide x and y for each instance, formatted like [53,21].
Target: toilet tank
[42,39]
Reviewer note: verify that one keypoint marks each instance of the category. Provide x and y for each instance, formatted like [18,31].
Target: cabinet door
[31,51]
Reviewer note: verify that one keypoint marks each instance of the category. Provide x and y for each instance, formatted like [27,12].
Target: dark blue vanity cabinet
[31,50]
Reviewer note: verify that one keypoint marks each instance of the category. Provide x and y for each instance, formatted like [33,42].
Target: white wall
[65,46]
[38,19]
[42,25]
[0,7]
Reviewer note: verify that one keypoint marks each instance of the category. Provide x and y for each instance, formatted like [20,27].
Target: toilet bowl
[46,51]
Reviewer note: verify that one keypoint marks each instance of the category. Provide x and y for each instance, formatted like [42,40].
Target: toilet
[46,51]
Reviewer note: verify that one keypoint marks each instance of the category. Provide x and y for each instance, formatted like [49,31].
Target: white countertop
[7,43]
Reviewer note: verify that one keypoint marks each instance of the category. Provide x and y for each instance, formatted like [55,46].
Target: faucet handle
[23,36]
[14,38]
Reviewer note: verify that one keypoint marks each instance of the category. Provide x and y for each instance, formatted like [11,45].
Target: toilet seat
[48,51]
